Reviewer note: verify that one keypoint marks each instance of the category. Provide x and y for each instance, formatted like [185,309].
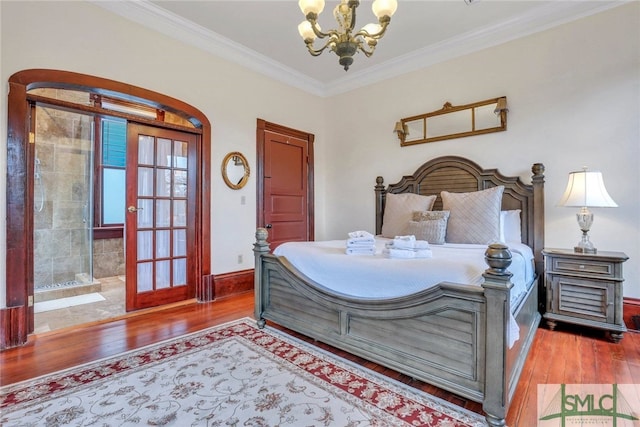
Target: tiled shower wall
[108,258]
[62,203]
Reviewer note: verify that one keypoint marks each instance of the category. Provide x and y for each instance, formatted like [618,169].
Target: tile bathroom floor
[112,289]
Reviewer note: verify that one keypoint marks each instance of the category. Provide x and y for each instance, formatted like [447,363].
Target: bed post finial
[538,169]
[498,257]
[261,236]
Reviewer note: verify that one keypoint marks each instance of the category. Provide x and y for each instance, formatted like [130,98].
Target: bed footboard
[439,335]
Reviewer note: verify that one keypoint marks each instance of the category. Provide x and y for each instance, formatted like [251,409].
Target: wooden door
[161,216]
[285,189]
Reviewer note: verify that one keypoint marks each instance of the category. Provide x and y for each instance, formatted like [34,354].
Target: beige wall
[573,97]
[574,100]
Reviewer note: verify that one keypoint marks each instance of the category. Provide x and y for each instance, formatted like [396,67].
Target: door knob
[133,209]
[268,226]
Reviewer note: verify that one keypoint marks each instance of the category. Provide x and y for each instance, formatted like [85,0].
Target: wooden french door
[286,194]
[161,216]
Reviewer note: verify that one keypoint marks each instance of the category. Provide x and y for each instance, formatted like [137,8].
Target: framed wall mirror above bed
[451,121]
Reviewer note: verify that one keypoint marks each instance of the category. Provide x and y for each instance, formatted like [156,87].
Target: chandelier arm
[313,20]
[317,52]
[366,52]
[383,28]
[353,4]
[316,29]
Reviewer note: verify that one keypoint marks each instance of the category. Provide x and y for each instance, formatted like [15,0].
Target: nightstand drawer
[603,269]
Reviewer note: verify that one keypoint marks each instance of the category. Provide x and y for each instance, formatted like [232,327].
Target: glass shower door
[63,200]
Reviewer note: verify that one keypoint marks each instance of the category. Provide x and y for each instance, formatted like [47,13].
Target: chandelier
[343,41]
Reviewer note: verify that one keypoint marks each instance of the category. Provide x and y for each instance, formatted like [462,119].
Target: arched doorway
[17,318]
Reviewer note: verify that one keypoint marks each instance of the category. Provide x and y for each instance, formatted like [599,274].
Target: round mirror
[235,170]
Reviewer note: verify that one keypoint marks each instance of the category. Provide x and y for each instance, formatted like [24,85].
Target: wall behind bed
[574,100]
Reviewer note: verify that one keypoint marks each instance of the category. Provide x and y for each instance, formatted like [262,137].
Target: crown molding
[151,16]
[539,19]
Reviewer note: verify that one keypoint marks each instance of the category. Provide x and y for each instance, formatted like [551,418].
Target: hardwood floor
[566,355]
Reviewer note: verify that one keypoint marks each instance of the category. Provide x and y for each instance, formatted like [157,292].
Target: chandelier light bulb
[384,8]
[313,6]
[306,31]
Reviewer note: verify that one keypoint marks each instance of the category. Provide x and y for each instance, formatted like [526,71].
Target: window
[111,155]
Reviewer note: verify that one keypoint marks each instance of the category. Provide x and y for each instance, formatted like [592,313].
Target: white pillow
[474,217]
[398,211]
[510,230]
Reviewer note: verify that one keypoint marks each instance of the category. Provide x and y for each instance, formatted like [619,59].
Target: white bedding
[378,277]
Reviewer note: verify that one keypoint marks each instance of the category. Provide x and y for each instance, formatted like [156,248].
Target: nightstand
[585,289]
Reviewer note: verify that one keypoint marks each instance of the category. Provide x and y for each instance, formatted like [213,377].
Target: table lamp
[585,190]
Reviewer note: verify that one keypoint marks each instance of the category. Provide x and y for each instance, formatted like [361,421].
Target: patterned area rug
[230,375]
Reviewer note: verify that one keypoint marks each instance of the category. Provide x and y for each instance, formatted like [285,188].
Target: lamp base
[585,219]
[585,246]
[581,250]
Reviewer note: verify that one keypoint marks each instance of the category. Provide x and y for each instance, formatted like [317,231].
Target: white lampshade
[586,189]
[384,7]
[315,6]
[305,30]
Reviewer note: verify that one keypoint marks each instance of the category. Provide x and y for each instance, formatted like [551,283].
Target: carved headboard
[458,175]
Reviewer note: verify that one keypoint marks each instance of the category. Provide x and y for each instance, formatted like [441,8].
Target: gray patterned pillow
[398,209]
[427,215]
[474,217]
[431,230]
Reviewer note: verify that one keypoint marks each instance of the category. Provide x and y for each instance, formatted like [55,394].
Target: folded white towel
[360,238]
[423,253]
[360,243]
[407,254]
[407,242]
[361,251]
[399,253]
[418,244]
[421,244]
[360,234]
[404,242]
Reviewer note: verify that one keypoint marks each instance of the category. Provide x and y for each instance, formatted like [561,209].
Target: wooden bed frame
[453,336]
